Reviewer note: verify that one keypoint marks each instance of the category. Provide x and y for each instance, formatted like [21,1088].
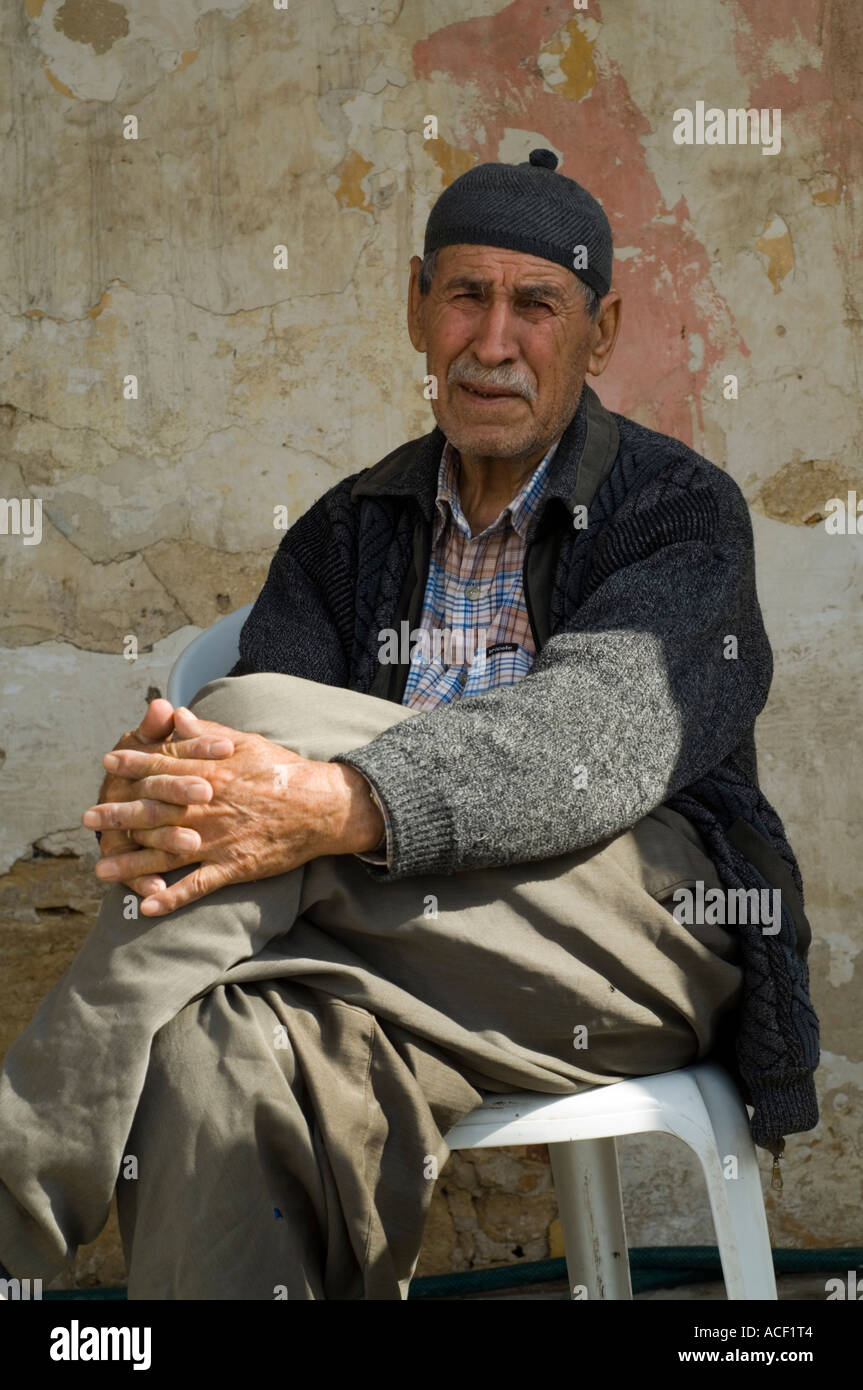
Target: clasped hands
[183,790]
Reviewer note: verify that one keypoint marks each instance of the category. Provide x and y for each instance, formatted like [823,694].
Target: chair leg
[730,1167]
[587,1186]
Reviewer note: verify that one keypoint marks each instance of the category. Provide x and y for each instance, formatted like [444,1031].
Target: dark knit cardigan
[634,680]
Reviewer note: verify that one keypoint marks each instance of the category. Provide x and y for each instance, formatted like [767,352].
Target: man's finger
[111,840]
[138,815]
[197,747]
[146,885]
[202,745]
[177,791]
[119,868]
[174,839]
[189,725]
[185,791]
[196,884]
[132,762]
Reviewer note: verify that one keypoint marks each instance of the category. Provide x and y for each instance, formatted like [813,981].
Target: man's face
[514,325]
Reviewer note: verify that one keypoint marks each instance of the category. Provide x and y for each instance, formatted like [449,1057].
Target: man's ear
[605,332]
[416,303]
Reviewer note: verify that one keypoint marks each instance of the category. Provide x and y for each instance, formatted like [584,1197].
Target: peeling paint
[775,244]
[91,313]
[56,83]
[451,161]
[566,60]
[368,11]
[93,48]
[844,950]
[839,1071]
[99,23]
[829,193]
[353,170]
[797,492]
[607,156]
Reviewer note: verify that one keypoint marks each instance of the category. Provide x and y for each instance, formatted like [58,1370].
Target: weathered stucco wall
[153,256]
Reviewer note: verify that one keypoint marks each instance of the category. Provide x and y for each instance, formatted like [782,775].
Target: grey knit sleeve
[653,680]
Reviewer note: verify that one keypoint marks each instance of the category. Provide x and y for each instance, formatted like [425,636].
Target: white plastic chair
[699,1104]
[212,653]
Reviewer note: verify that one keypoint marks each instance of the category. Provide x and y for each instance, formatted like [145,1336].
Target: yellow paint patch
[34,8]
[353,170]
[98,307]
[186,57]
[90,314]
[775,244]
[55,82]
[831,194]
[451,161]
[574,53]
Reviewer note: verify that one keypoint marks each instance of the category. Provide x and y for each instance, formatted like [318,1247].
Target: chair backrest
[212,653]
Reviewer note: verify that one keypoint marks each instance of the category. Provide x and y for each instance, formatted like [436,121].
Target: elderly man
[368,885]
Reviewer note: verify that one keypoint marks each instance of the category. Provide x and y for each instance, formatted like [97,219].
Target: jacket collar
[581,463]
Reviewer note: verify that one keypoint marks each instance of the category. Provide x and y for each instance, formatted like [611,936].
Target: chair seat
[659,1102]
[700,1105]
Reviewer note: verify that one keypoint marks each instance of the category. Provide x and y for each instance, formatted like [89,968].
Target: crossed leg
[276,1066]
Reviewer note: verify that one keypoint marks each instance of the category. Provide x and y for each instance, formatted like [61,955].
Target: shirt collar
[516,513]
[587,454]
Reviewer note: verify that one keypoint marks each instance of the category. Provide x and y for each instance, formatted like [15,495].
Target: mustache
[504,378]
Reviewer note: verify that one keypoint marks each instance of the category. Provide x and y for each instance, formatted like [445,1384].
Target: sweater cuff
[382,852]
[421,833]
[782,1107]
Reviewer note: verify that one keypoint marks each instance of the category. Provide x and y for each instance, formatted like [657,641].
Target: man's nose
[496,337]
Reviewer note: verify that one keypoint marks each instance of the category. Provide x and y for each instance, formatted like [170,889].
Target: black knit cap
[526,207]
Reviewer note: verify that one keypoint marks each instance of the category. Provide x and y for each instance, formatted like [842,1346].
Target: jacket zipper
[777,1151]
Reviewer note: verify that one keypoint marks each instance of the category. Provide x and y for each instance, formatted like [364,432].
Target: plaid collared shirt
[474,609]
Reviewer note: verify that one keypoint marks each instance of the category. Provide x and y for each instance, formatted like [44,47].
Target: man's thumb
[157,722]
[187,724]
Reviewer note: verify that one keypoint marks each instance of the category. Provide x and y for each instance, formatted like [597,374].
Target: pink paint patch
[827,96]
[667,290]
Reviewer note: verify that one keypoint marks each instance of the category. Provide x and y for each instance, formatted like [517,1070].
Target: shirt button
[472,590]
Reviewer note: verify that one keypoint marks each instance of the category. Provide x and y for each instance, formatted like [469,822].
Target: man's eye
[528,303]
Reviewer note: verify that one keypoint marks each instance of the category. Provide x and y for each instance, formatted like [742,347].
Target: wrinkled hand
[156,729]
[270,811]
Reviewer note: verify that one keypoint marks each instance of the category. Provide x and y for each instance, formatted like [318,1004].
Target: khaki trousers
[267,1076]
